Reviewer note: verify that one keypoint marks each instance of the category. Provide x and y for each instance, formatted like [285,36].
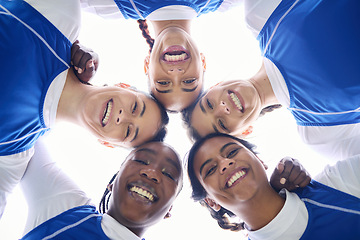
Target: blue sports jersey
[33,53]
[82,222]
[140,9]
[315,45]
[330,212]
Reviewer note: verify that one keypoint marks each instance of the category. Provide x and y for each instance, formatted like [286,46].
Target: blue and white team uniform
[328,208]
[35,42]
[311,58]
[59,209]
[156,9]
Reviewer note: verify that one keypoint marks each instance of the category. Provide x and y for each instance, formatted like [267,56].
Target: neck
[70,100]
[262,84]
[259,211]
[159,26]
[138,231]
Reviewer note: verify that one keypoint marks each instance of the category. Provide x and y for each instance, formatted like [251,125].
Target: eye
[209,104]
[163,83]
[127,132]
[167,174]
[222,125]
[189,81]
[210,171]
[232,153]
[135,107]
[141,161]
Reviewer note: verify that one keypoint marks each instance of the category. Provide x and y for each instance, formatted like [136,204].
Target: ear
[247,131]
[168,214]
[212,204]
[106,144]
[146,64]
[203,61]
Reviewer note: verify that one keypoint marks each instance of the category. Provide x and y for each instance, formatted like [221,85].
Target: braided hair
[222,218]
[146,34]
[104,202]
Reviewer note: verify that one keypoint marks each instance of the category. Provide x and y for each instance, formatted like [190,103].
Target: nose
[225,164]
[222,109]
[122,116]
[175,69]
[151,174]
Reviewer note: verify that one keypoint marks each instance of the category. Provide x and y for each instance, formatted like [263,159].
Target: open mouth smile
[237,101]
[175,55]
[107,113]
[236,177]
[143,193]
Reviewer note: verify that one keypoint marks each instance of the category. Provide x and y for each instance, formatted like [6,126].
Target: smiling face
[146,186]
[121,116]
[175,69]
[229,172]
[229,107]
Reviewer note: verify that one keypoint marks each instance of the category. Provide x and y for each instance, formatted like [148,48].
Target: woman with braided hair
[311,69]
[228,176]
[175,67]
[141,194]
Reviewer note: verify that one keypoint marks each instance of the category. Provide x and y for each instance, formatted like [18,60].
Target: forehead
[177,99]
[158,152]
[215,146]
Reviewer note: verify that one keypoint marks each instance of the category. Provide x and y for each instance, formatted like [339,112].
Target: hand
[289,174]
[85,62]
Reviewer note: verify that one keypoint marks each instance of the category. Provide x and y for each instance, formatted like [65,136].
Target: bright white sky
[231,53]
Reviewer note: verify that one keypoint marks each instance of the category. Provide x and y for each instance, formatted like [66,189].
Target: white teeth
[142,193]
[236,101]
[235,177]
[175,58]
[107,112]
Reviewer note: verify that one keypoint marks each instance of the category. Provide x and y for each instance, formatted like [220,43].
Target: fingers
[294,174]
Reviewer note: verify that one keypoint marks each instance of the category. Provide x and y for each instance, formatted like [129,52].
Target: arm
[289,174]
[47,189]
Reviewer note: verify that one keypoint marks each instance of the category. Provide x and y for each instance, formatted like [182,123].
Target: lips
[175,55]
[107,113]
[237,101]
[235,177]
[143,192]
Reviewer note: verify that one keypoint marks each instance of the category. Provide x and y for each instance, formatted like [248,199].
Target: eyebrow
[146,150]
[163,91]
[182,89]
[136,134]
[189,90]
[202,106]
[175,164]
[203,165]
[143,110]
[226,145]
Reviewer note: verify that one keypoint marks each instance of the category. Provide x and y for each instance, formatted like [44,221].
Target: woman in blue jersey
[37,88]
[230,178]
[175,67]
[310,66]
[141,194]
